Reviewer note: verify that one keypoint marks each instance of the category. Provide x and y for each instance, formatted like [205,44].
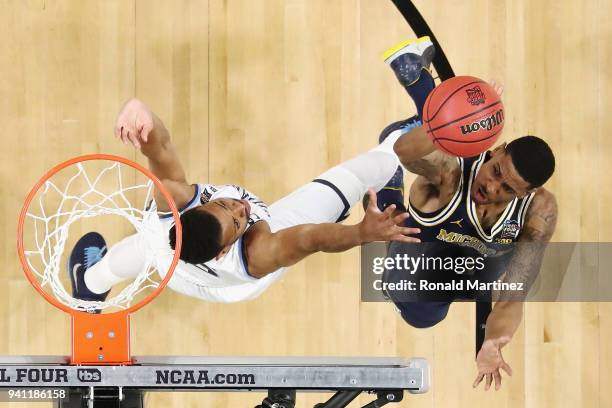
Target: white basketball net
[51,228]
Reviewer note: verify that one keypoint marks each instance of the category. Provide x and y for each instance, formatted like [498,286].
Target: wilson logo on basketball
[475,96]
[489,123]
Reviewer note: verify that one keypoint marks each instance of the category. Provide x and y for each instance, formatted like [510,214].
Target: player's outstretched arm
[138,125]
[268,251]
[540,223]
[418,154]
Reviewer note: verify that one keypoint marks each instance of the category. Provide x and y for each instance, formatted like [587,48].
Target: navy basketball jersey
[457,223]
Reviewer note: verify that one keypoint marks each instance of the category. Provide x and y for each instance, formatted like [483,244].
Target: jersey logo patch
[205,196]
[510,229]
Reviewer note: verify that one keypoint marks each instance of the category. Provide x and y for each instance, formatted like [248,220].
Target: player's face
[498,181]
[233,215]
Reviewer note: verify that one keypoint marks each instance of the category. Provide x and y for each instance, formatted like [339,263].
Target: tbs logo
[89,375]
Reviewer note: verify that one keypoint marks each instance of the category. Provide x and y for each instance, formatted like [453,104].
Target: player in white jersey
[234,246]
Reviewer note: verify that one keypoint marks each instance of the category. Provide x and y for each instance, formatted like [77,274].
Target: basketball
[463,116]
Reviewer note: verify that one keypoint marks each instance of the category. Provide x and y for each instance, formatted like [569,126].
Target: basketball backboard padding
[167,373]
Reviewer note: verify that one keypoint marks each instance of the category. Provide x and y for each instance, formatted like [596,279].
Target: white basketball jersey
[231,269]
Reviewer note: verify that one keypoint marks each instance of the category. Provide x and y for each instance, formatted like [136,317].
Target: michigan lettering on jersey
[465,241]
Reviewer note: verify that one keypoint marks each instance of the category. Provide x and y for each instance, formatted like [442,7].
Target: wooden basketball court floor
[268,94]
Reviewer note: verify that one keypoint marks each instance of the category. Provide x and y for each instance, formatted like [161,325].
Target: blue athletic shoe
[393,191]
[86,252]
[409,58]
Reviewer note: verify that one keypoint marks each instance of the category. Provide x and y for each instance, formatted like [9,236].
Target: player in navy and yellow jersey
[491,208]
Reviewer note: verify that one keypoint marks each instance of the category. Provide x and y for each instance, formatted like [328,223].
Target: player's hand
[499,88]
[489,361]
[134,123]
[383,226]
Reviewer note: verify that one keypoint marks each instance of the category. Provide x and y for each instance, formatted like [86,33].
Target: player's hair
[533,159]
[201,236]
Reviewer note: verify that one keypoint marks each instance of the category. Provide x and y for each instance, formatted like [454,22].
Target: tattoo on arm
[529,251]
[523,269]
[432,166]
[547,218]
[422,167]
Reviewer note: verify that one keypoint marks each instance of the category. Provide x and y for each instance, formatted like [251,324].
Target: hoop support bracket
[101,339]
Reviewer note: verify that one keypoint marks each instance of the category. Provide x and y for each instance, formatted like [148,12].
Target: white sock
[124,260]
[376,167]
[372,169]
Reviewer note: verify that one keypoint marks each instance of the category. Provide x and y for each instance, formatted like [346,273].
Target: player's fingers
[138,135]
[410,231]
[488,382]
[400,218]
[498,379]
[478,380]
[496,86]
[144,133]
[135,140]
[507,368]
[389,210]
[133,137]
[372,205]
[117,131]
[136,128]
[123,135]
[120,133]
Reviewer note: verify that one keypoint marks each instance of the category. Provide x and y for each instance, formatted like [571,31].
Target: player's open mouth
[479,196]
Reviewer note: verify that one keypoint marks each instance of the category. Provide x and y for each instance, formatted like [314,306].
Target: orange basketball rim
[99,338]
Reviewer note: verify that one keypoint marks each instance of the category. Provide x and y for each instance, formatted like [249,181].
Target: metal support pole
[340,399]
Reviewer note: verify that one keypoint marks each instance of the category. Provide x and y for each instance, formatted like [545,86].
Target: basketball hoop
[95,185]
